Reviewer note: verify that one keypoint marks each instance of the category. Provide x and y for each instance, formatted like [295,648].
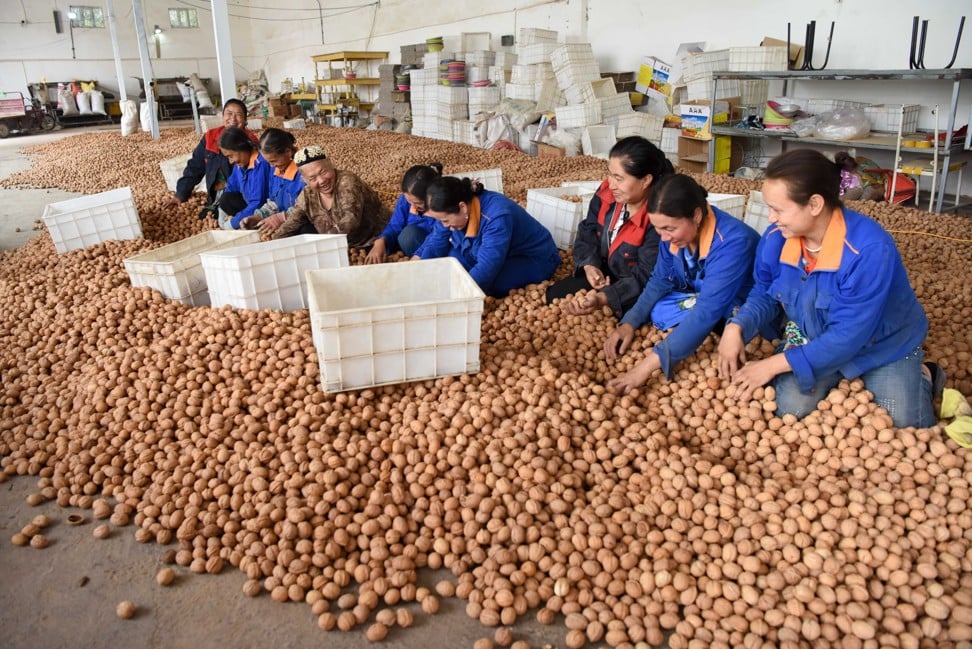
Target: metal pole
[113,30]
[143,57]
[224,50]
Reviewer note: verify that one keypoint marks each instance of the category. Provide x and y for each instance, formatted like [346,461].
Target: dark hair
[236,139]
[277,141]
[845,161]
[236,102]
[806,172]
[677,196]
[444,194]
[416,180]
[641,158]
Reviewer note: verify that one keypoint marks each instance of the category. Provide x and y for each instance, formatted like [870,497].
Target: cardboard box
[698,116]
[550,151]
[653,78]
[693,154]
[796,50]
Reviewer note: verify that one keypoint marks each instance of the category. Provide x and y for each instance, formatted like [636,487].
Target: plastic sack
[805,127]
[145,116]
[520,111]
[202,94]
[129,118]
[184,91]
[65,101]
[843,124]
[97,102]
[84,103]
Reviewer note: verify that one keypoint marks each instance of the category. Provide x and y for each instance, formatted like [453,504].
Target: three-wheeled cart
[17,115]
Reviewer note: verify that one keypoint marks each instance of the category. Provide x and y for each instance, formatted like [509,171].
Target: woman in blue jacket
[501,246]
[408,226]
[703,273]
[249,185]
[849,308]
[278,148]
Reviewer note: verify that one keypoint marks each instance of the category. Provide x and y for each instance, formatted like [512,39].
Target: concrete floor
[65,595]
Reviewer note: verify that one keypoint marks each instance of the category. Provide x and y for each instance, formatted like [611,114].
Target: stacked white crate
[579,77]
[501,70]
[527,79]
[424,97]
[669,144]
[483,99]
[697,69]
[452,104]
[574,63]
[755,59]
[464,132]
[549,96]
[642,124]
[614,108]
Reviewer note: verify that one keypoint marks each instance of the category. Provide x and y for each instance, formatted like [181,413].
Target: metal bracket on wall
[917,59]
[808,46]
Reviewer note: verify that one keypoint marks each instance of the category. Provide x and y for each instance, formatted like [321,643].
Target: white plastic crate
[271,274]
[597,141]
[816,105]
[615,107]
[578,116]
[209,122]
[734,204]
[505,59]
[416,321]
[647,126]
[434,59]
[549,96]
[575,73]
[757,59]
[590,91]
[499,75]
[464,132]
[753,92]
[423,77]
[553,207]
[492,179]
[531,73]
[701,64]
[757,212]
[296,124]
[531,35]
[172,171]
[480,57]
[254,123]
[420,93]
[442,129]
[451,111]
[669,140]
[885,117]
[701,88]
[536,53]
[488,95]
[176,270]
[590,185]
[87,220]
[476,73]
[571,53]
[526,91]
[452,95]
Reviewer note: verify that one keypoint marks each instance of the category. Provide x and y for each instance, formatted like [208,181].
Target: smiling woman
[332,202]
[849,308]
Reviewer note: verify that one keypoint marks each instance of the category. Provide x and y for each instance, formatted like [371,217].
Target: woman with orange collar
[703,273]
[249,185]
[849,308]
[495,239]
[278,148]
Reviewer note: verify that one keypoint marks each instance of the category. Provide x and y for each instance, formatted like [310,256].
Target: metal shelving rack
[343,85]
[888,142]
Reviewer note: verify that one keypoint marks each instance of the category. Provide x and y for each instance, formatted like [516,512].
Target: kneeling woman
[501,246]
[703,273]
[849,308]
[332,202]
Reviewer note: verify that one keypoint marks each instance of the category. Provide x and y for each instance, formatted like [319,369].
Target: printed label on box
[695,121]
[653,78]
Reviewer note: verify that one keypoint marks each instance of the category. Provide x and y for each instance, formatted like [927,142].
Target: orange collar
[831,249]
[289,173]
[707,231]
[253,159]
[475,213]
